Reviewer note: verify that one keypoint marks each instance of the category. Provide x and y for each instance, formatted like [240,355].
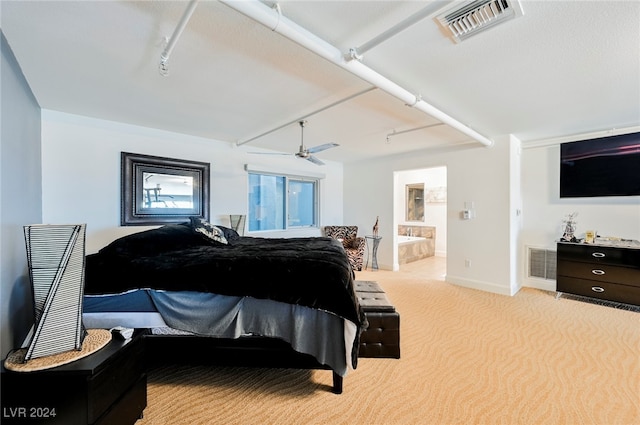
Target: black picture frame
[136,206]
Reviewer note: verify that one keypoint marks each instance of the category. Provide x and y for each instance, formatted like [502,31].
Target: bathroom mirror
[415,202]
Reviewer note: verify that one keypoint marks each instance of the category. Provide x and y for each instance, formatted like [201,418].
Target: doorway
[420,217]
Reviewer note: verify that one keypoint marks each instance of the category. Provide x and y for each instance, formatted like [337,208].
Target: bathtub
[409,239]
[414,248]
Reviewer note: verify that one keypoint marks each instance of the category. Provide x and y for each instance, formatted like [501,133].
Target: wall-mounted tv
[606,166]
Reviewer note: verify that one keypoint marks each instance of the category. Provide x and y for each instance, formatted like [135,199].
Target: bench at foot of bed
[381,338]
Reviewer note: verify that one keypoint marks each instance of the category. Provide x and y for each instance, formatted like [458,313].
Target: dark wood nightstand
[106,387]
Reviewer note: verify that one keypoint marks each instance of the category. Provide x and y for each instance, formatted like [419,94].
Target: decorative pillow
[208,230]
[229,233]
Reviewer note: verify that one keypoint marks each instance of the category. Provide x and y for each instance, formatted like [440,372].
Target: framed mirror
[415,202]
[157,190]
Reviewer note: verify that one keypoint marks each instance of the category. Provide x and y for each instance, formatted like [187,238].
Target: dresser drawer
[599,254]
[601,290]
[599,272]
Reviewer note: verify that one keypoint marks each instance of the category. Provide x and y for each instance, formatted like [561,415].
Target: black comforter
[313,272]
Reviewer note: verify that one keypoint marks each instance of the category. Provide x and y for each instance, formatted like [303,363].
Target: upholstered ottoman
[382,336]
[367,286]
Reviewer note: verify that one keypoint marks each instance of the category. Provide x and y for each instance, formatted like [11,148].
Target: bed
[199,289]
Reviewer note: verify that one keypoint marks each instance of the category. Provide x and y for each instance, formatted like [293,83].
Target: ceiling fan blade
[322,147]
[314,160]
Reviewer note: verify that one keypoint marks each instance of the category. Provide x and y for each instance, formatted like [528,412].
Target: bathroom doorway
[420,218]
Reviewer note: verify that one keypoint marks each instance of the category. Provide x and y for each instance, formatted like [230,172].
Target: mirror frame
[132,167]
[411,204]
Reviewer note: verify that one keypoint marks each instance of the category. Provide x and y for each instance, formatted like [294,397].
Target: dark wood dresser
[106,387]
[608,271]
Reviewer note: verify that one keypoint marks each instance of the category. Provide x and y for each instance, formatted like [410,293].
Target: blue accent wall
[20,196]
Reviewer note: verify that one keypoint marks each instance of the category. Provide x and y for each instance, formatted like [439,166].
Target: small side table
[372,251]
[108,387]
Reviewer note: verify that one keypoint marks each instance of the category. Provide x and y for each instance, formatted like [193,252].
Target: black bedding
[313,272]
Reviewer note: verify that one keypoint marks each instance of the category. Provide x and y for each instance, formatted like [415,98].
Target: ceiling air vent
[468,18]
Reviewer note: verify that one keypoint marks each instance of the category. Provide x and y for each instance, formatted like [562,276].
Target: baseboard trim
[480,285]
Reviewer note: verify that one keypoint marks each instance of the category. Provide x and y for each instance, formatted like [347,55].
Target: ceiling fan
[303,152]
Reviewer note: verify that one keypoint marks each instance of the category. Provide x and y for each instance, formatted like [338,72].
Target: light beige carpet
[468,357]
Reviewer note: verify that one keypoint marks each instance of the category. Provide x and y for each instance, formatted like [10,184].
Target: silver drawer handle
[598,272]
[597,289]
[598,254]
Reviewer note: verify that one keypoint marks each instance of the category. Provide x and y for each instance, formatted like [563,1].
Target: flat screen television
[606,166]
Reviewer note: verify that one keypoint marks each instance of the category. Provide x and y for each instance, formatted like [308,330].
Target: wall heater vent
[468,18]
[541,263]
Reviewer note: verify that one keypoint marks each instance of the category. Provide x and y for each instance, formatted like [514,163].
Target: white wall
[543,210]
[475,174]
[514,189]
[20,198]
[81,183]
[81,174]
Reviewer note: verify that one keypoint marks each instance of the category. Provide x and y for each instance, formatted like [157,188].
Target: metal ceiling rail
[324,108]
[164,56]
[273,19]
[397,133]
[357,52]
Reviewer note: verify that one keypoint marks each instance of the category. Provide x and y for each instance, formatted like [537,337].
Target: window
[302,203]
[278,202]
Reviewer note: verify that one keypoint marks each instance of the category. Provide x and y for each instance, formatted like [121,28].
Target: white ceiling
[563,68]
